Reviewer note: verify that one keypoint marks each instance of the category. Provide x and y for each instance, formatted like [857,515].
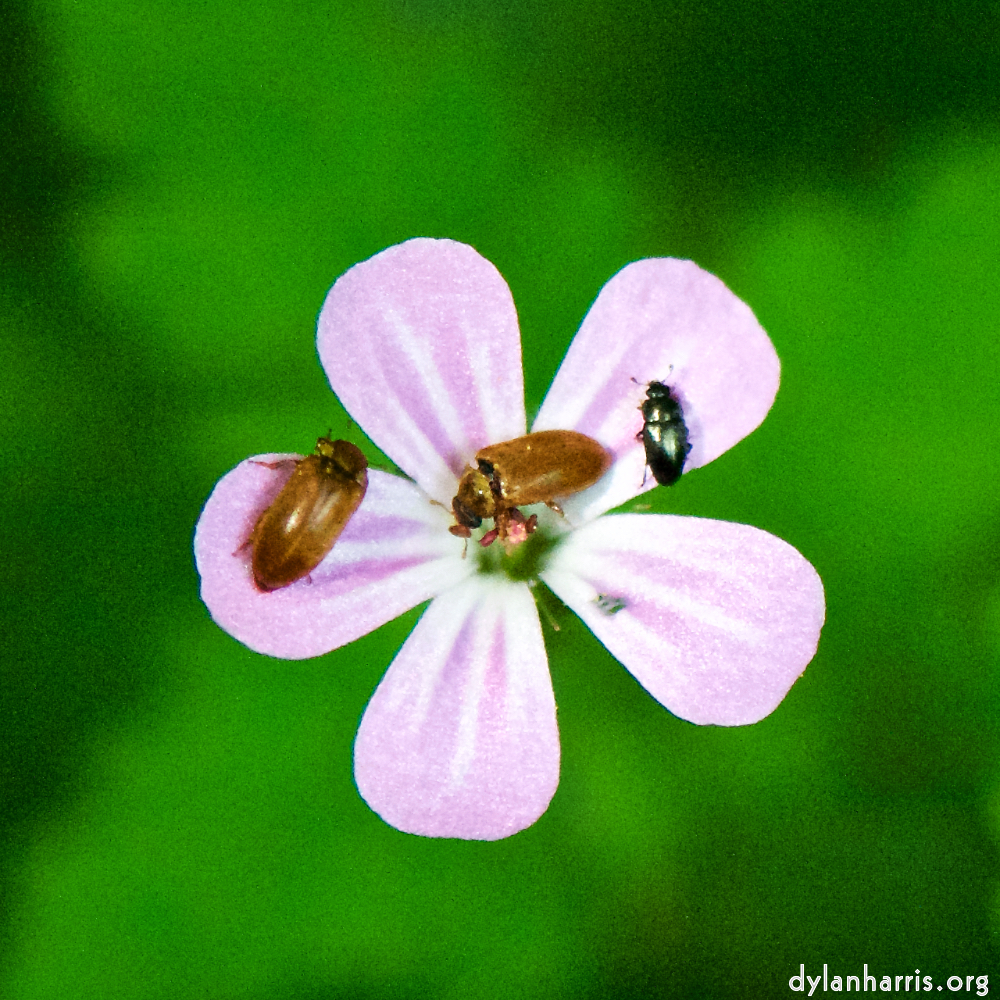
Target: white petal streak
[716,620]
[421,345]
[460,738]
[414,348]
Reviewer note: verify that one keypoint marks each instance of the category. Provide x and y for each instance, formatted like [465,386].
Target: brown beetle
[536,468]
[292,537]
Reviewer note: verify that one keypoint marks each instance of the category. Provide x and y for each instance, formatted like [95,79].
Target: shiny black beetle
[664,434]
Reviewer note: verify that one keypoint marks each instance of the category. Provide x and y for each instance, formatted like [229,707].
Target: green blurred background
[181,185]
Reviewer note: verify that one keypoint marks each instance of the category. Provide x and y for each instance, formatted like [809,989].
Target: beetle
[664,433]
[610,605]
[292,537]
[535,468]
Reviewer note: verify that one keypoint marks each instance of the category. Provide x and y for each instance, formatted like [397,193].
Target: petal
[661,320]
[716,620]
[394,553]
[421,345]
[460,738]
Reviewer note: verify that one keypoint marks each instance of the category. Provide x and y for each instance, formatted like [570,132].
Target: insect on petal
[666,320]
[716,620]
[394,553]
[422,346]
[460,738]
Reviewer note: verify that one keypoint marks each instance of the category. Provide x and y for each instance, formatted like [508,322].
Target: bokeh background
[181,185]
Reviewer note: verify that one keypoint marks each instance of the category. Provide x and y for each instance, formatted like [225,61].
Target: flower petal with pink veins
[716,620]
[421,345]
[394,553]
[669,321]
[460,738]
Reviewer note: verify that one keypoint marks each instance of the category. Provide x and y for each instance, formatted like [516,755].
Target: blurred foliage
[182,184]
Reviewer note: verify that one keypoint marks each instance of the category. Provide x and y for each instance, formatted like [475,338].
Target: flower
[421,344]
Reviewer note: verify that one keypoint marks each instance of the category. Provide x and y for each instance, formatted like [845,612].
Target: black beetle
[664,434]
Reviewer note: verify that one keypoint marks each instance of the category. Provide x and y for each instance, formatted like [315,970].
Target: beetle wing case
[540,467]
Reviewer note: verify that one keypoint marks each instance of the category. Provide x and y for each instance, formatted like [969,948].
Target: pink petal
[661,320]
[421,345]
[718,619]
[394,553]
[460,738]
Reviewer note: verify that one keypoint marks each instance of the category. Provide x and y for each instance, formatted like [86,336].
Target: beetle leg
[267,465]
[248,541]
[552,505]
[277,465]
[501,522]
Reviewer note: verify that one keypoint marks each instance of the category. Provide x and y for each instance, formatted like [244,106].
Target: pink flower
[421,344]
